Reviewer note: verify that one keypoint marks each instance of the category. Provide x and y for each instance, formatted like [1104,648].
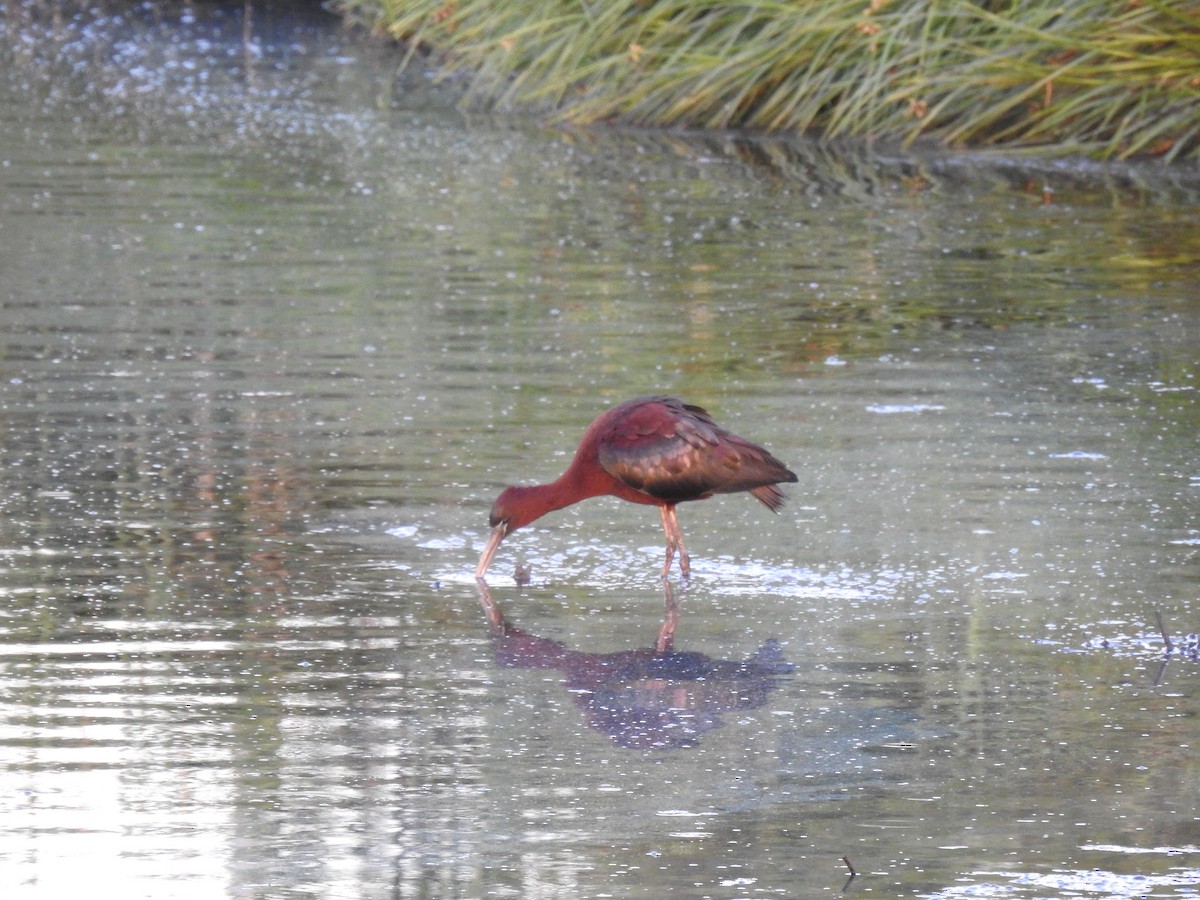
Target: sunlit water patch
[892,409]
[596,564]
[1178,881]
[1111,639]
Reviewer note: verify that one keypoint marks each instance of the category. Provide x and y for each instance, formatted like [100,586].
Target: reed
[1104,78]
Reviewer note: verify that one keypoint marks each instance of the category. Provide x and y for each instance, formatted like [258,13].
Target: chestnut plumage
[653,450]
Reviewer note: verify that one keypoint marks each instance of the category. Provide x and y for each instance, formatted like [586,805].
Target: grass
[1107,78]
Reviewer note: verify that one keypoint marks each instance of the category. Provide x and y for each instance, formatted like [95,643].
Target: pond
[277,324]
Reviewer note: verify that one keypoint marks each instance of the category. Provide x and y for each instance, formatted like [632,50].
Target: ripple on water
[1096,882]
[593,563]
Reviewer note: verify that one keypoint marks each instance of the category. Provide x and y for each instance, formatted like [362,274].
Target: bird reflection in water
[650,699]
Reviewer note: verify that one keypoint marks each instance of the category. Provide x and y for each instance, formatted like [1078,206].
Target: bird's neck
[584,478]
[570,487]
[530,502]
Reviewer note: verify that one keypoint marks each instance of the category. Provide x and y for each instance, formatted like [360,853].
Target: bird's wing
[674,452]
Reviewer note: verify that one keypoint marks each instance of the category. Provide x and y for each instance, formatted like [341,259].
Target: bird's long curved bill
[489,551]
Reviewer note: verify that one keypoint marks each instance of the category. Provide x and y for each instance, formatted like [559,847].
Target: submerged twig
[1162,670]
[853,872]
[1163,630]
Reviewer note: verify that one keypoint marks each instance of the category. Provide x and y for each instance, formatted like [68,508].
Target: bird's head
[509,512]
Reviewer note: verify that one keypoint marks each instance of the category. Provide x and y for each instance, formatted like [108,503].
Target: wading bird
[653,450]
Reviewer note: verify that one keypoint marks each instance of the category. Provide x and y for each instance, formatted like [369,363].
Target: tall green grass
[1108,78]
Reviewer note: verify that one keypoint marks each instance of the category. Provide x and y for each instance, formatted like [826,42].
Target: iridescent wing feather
[675,452]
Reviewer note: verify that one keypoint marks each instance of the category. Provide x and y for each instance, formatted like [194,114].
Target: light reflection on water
[270,348]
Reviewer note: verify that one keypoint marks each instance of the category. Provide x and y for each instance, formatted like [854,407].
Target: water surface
[278,325]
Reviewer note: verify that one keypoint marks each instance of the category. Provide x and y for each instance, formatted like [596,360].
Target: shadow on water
[652,698]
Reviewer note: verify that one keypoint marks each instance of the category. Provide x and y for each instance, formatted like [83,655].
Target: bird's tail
[771,496]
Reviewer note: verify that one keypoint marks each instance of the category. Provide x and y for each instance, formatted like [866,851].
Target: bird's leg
[674,542]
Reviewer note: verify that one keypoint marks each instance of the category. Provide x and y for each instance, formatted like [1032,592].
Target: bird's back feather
[674,452]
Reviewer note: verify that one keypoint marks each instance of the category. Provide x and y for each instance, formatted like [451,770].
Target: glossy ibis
[653,450]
